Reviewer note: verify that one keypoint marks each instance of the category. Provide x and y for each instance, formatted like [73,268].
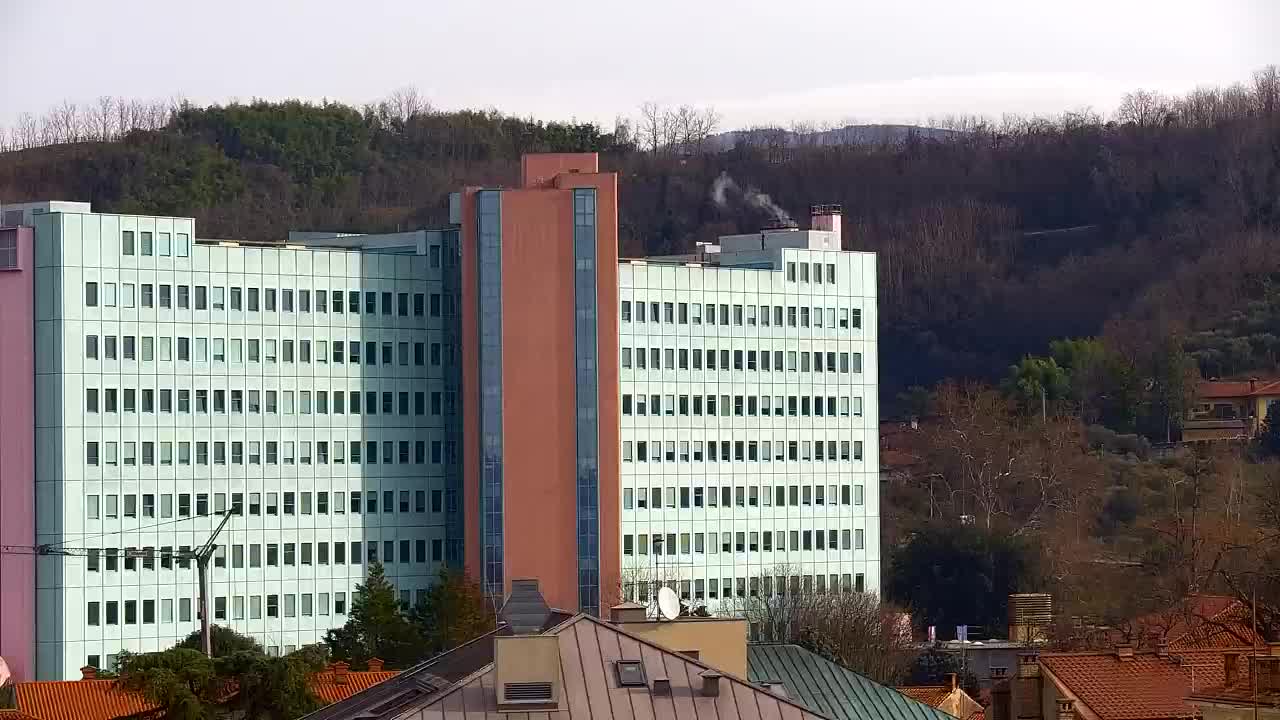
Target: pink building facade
[17,452]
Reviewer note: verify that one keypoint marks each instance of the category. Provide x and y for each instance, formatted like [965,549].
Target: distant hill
[847,135]
[992,242]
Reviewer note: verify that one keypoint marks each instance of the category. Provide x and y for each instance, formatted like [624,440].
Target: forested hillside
[993,240]
[1091,267]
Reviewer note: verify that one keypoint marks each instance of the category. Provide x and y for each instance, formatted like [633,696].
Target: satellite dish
[668,603]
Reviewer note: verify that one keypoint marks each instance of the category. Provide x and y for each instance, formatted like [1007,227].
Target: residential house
[1229,409]
[989,661]
[1119,684]
[1198,622]
[949,698]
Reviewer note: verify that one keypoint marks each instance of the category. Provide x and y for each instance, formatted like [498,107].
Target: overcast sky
[754,61]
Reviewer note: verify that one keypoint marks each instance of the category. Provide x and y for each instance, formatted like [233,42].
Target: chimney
[1253,384]
[826,217]
[525,610]
[710,683]
[1231,668]
[628,612]
[88,672]
[1124,652]
[952,682]
[340,673]
[1066,709]
[662,686]
[1162,648]
[1028,665]
[375,664]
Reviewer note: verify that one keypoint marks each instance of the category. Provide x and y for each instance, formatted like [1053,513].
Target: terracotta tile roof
[1200,622]
[100,700]
[78,700]
[329,688]
[931,695]
[15,715]
[588,648]
[1146,687]
[979,715]
[1223,389]
[830,689]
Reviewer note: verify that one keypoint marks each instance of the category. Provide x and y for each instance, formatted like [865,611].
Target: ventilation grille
[527,692]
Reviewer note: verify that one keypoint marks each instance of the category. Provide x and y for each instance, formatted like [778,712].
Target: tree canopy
[376,626]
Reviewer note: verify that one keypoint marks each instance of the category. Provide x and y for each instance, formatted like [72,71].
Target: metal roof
[830,689]
[588,649]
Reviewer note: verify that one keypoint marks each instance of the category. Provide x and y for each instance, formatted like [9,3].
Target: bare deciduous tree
[683,130]
[405,103]
[850,628]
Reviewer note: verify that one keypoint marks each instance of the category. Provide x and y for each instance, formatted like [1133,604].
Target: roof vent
[711,683]
[528,692]
[775,687]
[527,671]
[661,686]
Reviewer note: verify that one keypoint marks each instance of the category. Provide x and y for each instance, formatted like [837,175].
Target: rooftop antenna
[668,603]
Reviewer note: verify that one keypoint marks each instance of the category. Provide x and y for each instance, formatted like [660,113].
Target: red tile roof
[100,700]
[329,689]
[932,695]
[1224,389]
[1147,686]
[15,715]
[1201,622]
[78,700]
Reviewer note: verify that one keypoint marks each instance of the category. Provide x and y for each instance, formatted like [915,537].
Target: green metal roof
[832,690]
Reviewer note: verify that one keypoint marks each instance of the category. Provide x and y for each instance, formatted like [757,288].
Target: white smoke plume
[724,185]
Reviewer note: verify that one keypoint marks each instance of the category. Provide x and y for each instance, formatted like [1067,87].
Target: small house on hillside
[1230,409]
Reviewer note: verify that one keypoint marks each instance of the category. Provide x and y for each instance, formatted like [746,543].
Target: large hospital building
[503,395]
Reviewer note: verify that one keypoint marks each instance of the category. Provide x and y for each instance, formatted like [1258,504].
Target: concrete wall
[720,643]
[17,462]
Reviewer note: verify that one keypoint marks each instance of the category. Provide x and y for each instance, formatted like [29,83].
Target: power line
[130,530]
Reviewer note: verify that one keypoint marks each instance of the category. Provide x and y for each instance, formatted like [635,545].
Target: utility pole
[202,555]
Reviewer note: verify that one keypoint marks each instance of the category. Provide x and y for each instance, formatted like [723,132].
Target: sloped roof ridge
[580,617]
[692,661]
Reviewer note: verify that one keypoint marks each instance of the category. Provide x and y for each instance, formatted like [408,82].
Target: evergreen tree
[454,612]
[1269,438]
[187,685]
[376,627]
[225,642]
